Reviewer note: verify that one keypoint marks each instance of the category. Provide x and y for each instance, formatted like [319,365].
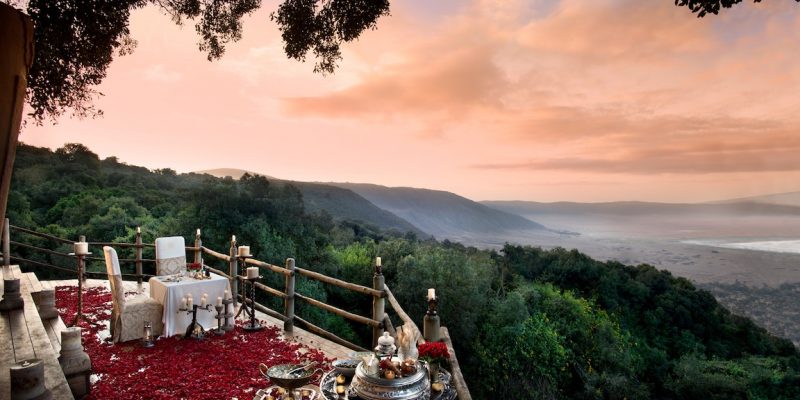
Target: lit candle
[189,301]
[252,272]
[81,248]
[244,251]
[183,300]
[234,238]
[226,296]
[377,261]
[203,301]
[138,229]
[431,294]
[219,301]
[198,231]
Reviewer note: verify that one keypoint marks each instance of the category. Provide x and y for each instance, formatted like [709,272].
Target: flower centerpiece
[194,270]
[435,353]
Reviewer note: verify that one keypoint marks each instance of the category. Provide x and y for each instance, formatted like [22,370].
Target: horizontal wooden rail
[273,268]
[338,311]
[42,235]
[124,245]
[274,292]
[340,283]
[265,310]
[216,271]
[48,251]
[402,314]
[327,335]
[41,264]
[223,257]
[462,391]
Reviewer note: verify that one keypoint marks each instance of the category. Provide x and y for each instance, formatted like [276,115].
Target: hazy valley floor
[762,285]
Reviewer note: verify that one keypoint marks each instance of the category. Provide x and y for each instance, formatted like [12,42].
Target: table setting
[174,291]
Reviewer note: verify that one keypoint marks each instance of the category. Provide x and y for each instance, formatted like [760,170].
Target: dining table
[170,290]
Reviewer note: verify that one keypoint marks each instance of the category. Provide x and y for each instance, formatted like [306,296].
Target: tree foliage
[703,7]
[556,324]
[76,40]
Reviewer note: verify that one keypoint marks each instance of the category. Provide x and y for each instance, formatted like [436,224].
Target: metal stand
[431,322]
[195,330]
[252,325]
[220,316]
[228,326]
[81,273]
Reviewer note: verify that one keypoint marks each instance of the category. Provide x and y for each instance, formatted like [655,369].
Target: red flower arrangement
[433,352]
[194,266]
[219,367]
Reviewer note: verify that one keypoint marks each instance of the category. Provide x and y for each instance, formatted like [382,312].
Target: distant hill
[344,204]
[339,203]
[232,172]
[631,208]
[782,199]
[442,214]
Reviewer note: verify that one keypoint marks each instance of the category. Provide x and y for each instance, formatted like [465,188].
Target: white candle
[203,301]
[189,301]
[244,250]
[81,248]
[252,272]
[219,301]
[183,300]
[198,231]
[138,229]
[226,296]
[234,238]
[378,261]
[431,294]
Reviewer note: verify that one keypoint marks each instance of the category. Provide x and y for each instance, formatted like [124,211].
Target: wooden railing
[379,292]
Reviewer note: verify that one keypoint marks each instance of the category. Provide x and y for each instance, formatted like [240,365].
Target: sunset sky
[494,100]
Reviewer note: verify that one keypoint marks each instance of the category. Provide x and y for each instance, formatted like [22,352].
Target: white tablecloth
[170,294]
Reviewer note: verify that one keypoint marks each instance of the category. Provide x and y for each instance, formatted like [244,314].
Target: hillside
[341,204]
[738,208]
[345,205]
[783,199]
[442,214]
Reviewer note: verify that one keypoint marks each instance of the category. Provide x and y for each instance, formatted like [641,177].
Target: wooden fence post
[198,243]
[233,271]
[288,303]
[378,302]
[6,243]
[138,255]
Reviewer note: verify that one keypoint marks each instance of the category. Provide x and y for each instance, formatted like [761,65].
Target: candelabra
[220,316]
[227,304]
[252,325]
[431,321]
[194,330]
[81,274]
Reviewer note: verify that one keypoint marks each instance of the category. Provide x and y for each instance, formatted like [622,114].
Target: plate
[327,386]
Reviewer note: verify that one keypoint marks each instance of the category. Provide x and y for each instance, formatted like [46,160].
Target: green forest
[527,323]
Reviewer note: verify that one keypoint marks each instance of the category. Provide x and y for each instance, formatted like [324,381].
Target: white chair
[170,255]
[128,317]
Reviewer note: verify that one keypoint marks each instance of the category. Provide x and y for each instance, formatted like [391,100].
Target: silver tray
[328,388]
[262,394]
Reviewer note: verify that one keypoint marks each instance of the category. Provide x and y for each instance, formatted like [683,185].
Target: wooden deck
[329,348]
[23,336]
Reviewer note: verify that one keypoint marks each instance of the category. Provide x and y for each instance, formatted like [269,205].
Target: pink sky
[528,100]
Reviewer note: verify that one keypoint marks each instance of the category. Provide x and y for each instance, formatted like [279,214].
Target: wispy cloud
[160,73]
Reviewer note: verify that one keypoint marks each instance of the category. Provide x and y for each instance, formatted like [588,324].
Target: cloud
[159,73]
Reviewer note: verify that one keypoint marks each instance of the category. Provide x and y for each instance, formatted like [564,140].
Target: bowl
[346,366]
[279,374]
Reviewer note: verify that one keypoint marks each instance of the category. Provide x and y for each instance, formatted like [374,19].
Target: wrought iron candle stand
[228,325]
[81,275]
[195,330]
[252,325]
[220,316]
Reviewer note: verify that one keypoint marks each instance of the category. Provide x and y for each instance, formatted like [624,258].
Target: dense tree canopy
[555,323]
[76,40]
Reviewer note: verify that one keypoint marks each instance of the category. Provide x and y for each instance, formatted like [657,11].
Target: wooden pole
[81,263]
[233,271]
[139,255]
[378,303]
[16,58]
[288,302]
[6,243]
